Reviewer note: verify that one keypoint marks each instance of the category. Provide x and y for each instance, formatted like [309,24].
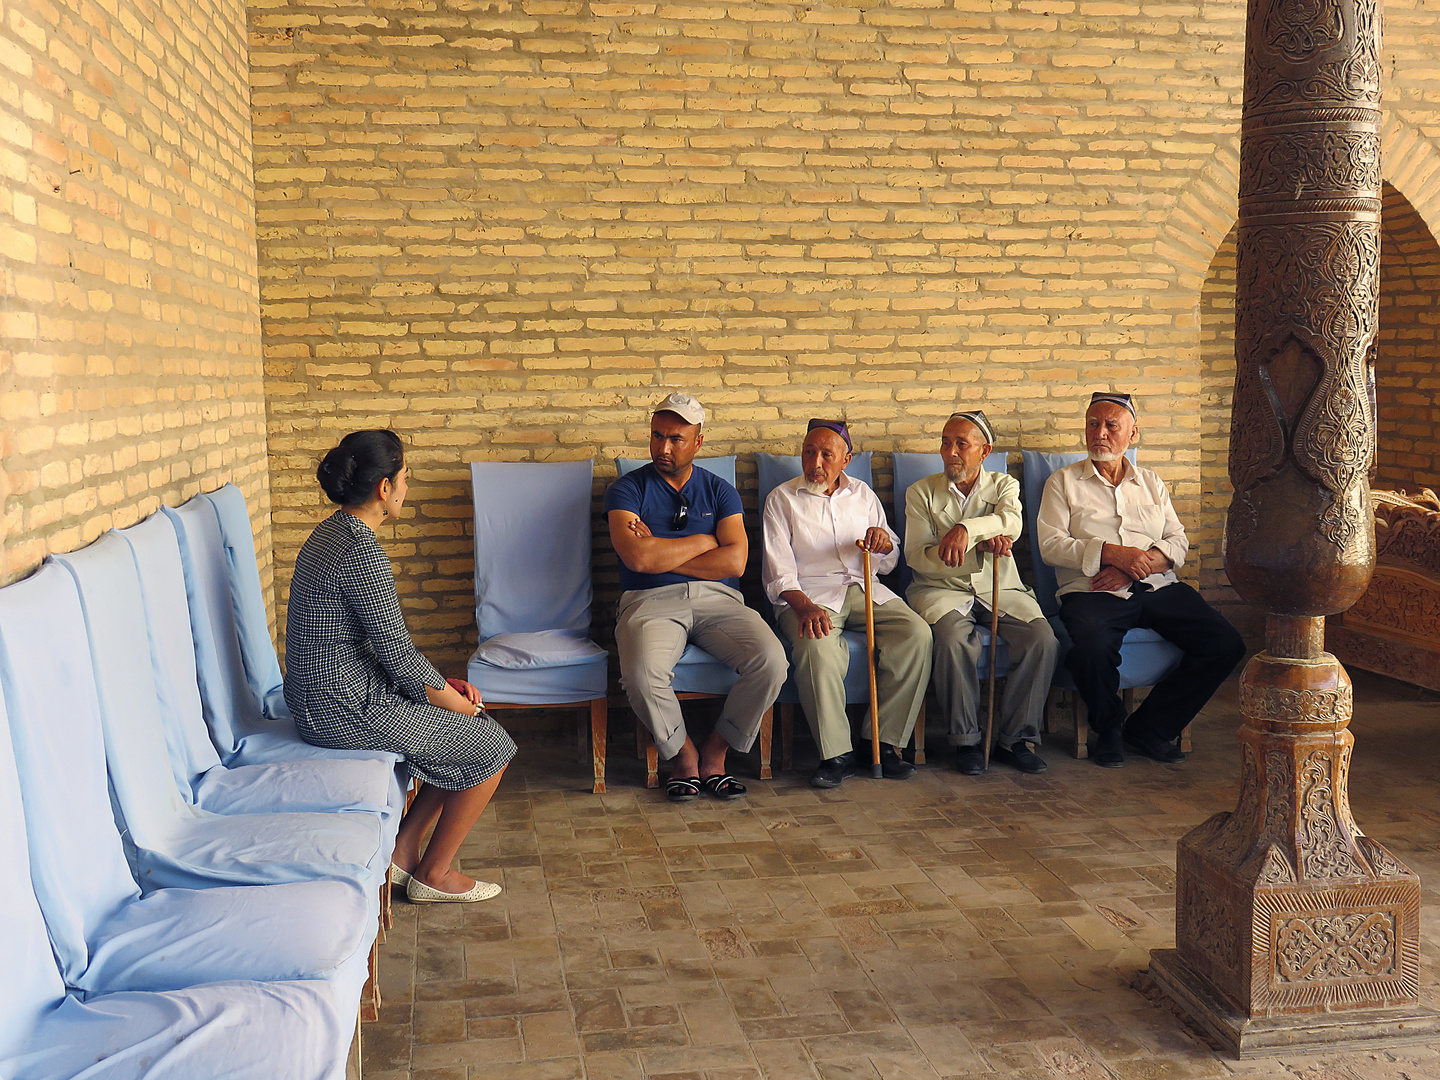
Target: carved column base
[1292,927]
[1246,1036]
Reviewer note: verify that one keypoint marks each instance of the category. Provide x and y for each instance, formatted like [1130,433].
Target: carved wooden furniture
[1294,929]
[1394,628]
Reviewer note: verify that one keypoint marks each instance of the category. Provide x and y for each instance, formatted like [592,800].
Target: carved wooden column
[1293,928]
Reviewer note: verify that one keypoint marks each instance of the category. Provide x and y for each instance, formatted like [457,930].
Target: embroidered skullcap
[1123,400]
[837,426]
[977,417]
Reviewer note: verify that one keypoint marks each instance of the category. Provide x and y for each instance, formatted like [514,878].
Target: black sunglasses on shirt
[682,516]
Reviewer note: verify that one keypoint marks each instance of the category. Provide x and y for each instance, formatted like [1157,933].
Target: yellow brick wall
[502,228]
[1407,378]
[130,368]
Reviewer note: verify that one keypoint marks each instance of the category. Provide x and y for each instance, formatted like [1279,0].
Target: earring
[384,511]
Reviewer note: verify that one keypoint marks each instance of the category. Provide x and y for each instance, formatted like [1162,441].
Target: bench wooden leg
[1082,725]
[652,763]
[767,736]
[370,995]
[918,739]
[599,732]
[355,1064]
[1185,746]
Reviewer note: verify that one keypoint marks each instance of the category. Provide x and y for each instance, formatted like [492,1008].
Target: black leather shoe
[1021,756]
[832,771]
[1108,753]
[1154,747]
[892,765]
[969,760]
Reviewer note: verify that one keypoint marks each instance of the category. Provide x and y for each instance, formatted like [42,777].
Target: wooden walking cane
[875,770]
[994,648]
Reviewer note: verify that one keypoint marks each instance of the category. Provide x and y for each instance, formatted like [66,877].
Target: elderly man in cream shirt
[958,524]
[813,573]
[1110,531]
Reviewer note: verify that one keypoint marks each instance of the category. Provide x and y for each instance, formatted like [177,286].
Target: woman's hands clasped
[457,696]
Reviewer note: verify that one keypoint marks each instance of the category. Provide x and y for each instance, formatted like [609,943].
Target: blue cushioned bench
[177,891]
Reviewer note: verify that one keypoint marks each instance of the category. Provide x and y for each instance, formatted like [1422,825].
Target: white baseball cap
[683,406]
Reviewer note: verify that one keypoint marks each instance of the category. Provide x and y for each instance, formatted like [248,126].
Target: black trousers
[1098,623]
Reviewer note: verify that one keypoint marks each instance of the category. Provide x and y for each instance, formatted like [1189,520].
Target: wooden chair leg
[370,994]
[1082,726]
[787,737]
[599,732]
[767,726]
[1185,740]
[918,739]
[652,762]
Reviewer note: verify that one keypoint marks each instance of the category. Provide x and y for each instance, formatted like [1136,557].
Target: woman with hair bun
[355,681]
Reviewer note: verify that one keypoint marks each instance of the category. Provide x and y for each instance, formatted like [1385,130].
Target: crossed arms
[706,556]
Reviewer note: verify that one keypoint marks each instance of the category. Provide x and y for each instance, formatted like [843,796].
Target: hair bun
[335,474]
[349,473]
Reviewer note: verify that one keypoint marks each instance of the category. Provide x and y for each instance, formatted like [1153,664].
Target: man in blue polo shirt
[679,531]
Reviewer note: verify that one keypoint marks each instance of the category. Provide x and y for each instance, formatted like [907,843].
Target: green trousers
[902,641]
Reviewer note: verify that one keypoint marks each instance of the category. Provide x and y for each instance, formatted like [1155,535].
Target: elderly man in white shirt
[813,573]
[1110,531]
[957,523]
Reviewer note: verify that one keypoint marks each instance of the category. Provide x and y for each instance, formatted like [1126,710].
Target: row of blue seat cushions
[191,873]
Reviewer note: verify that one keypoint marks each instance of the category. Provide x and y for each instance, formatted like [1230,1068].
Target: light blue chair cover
[171,843]
[242,734]
[204,1031]
[105,936]
[774,470]
[307,784]
[909,468]
[247,600]
[532,584]
[1145,656]
[696,672]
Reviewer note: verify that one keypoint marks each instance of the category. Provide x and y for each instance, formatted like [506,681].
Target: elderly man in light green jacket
[957,523]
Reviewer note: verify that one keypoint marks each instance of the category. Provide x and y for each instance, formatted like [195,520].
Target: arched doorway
[1407,377]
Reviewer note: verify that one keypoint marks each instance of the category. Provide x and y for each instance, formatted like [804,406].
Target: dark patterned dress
[355,681]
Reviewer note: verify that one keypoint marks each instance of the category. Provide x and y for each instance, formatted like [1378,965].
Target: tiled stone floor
[945,927]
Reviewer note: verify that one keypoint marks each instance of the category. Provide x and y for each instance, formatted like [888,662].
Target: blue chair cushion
[557,667]
[697,672]
[1145,657]
[539,649]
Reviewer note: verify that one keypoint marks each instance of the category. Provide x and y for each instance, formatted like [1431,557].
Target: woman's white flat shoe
[420,893]
[399,878]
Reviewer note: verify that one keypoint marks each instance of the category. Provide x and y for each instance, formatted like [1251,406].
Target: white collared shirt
[1081,512]
[810,542]
[963,496]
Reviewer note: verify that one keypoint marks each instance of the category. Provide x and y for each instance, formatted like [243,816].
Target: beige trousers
[652,630]
[902,640]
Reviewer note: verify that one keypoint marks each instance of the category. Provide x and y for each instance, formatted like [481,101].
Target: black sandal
[682,788]
[724,787]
